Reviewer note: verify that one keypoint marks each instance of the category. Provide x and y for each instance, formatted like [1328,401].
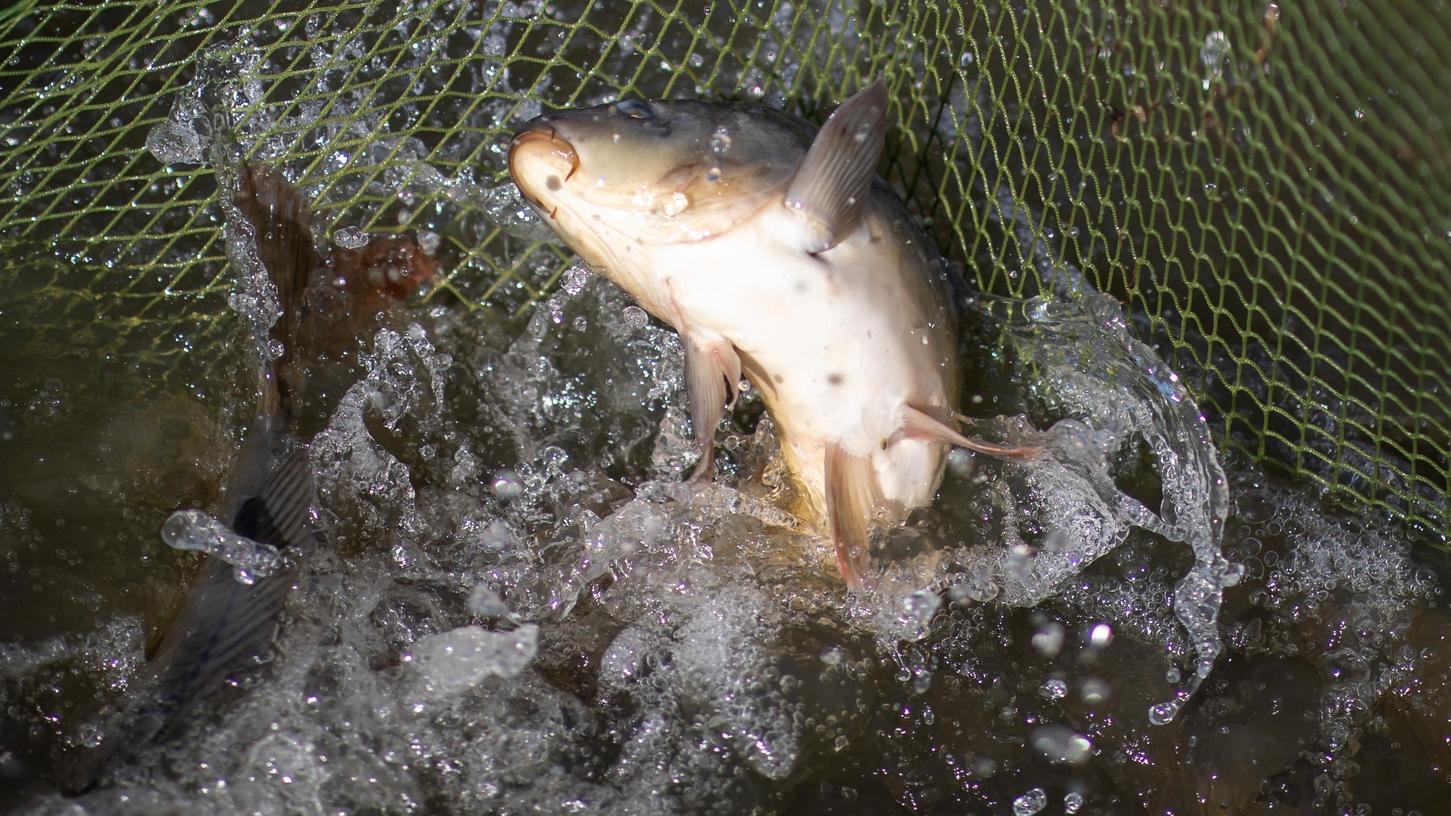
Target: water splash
[693,648]
[195,531]
[691,644]
[1112,397]
[452,662]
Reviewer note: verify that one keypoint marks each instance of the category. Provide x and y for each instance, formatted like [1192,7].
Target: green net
[1269,191]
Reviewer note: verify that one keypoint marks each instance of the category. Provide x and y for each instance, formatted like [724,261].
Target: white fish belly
[844,340]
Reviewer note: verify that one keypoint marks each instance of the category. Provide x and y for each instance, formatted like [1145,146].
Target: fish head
[652,172]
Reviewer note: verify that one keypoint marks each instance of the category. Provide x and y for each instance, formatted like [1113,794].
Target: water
[603,637]
[199,532]
[1213,53]
[520,606]
[350,238]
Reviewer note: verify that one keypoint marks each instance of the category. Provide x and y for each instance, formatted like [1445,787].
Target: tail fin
[225,627]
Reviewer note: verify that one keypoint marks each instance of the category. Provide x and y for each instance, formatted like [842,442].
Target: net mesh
[1266,189]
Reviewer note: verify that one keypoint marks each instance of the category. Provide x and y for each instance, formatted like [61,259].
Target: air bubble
[634,318]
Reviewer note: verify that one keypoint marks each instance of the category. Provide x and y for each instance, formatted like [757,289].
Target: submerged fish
[226,623]
[329,300]
[778,256]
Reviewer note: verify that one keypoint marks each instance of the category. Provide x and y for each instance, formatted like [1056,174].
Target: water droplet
[507,485]
[1030,802]
[1094,691]
[672,205]
[351,237]
[1061,744]
[1212,54]
[1048,640]
[1163,713]
[196,531]
[1053,689]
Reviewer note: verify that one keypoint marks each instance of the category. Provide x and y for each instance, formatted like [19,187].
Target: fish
[329,299]
[227,622]
[777,254]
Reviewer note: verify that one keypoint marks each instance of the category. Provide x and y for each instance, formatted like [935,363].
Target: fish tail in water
[226,625]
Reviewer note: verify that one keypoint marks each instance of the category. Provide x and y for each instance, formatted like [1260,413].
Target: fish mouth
[542,146]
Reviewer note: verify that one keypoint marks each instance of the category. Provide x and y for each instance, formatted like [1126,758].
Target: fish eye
[635,108]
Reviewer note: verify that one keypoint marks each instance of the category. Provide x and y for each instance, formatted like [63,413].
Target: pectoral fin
[712,374]
[831,187]
[852,498]
[917,424]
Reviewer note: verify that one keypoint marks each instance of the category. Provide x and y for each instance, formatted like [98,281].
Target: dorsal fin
[831,187]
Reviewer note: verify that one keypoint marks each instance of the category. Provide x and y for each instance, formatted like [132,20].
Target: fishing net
[1267,189]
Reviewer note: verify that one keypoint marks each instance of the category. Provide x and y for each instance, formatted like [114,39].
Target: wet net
[1267,189]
